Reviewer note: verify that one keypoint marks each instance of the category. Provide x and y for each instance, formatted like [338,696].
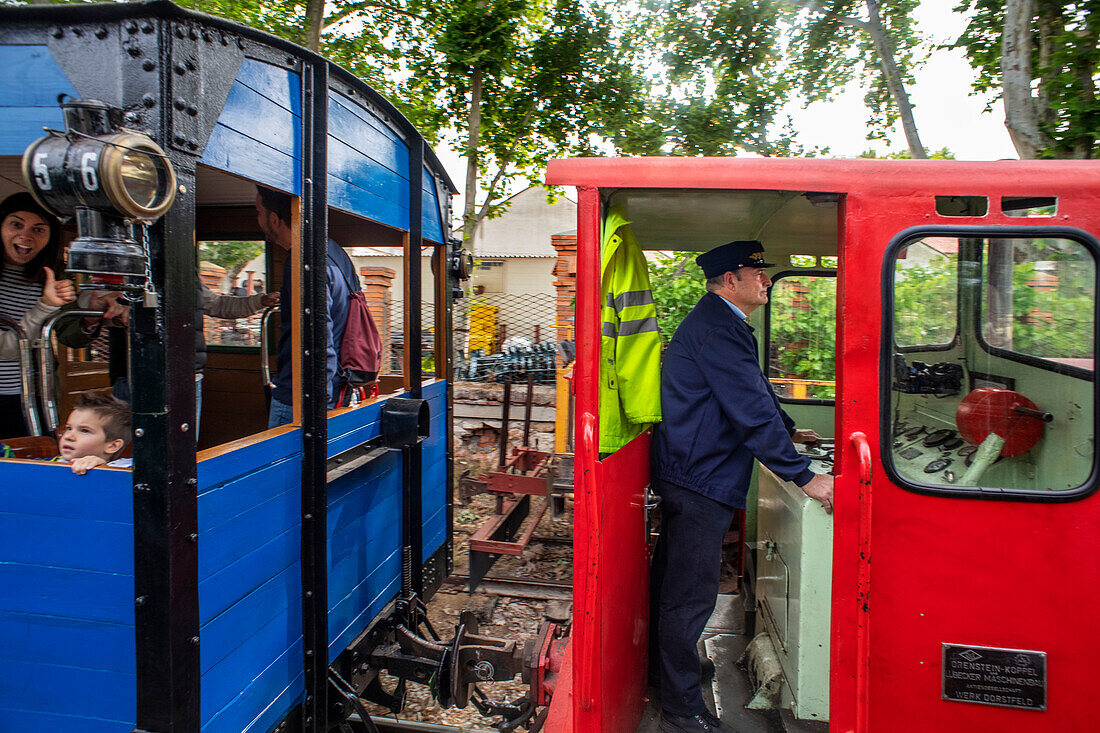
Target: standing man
[273,209]
[719,414]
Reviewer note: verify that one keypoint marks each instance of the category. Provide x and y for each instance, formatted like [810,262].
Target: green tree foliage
[718,79]
[677,284]
[513,83]
[1048,78]
[925,298]
[233,256]
[873,41]
[802,334]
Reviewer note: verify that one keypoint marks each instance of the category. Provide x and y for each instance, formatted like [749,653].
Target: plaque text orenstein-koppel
[1015,678]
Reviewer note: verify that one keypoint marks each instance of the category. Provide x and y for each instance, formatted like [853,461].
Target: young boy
[97,430]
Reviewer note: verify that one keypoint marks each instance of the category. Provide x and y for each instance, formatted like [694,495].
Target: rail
[43,346]
[26,376]
[265,355]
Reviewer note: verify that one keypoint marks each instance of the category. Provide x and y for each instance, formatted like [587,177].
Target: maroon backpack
[361,350]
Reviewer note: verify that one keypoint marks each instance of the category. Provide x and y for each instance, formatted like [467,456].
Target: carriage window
[802,337]
[1009,408]
[925,293]
[237,269]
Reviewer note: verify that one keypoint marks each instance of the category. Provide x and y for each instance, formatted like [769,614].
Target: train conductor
[720,413]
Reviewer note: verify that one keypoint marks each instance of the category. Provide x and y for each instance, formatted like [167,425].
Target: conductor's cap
[729,257]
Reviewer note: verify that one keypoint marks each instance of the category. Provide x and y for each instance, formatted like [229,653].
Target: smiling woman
[29,293]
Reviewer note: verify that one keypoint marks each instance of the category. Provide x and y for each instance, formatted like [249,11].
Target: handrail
[43,345]
[265,358]
[26,376]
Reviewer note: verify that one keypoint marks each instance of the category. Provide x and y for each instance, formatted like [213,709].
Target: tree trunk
[315,21]
[893,79]
[1021,110]
[473,122]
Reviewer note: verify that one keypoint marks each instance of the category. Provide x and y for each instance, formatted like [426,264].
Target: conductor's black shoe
[690,724]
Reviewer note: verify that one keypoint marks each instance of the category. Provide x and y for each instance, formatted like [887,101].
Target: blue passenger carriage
[212,586]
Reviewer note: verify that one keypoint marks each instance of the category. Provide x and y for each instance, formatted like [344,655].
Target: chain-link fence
[501,336]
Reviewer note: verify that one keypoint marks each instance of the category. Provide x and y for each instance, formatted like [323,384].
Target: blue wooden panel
[281,86]
[226,466]
[264,699]
[102,496]
[364,541]
[431,226]
[255,116]
[49,688]
[229,585]
[21,126]
[256,526]
[228,678]
[69,593]
[27,720]
[347,197]
[277,709]
[67,543]
[358,129]
[355,611]
[233,152]
[362,171]
[435,532]
[228,630]
[29,88]
[66,641]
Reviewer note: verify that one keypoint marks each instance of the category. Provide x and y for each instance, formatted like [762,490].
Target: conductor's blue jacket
[719,410]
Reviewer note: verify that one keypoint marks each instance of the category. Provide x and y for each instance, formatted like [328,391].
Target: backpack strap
[354,287]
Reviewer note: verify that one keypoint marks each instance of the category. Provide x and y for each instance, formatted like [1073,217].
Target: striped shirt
[18,294]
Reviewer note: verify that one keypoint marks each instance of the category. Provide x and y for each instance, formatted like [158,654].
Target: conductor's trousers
[683,590]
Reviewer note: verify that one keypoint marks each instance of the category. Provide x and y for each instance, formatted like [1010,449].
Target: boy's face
[84,435]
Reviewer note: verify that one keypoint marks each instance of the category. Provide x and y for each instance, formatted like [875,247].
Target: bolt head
[148,64]
[101,33]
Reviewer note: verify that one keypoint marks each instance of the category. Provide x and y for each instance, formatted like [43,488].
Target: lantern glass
[140,177]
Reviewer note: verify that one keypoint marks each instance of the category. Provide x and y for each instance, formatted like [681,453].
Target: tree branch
[812,6]
[348,10]
[506,160]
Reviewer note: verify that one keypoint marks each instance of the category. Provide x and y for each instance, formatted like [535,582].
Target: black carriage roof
[92,12]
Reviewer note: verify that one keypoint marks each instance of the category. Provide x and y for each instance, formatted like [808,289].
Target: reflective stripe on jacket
[630,346]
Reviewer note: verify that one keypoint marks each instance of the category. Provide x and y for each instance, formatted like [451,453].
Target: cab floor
[724,640]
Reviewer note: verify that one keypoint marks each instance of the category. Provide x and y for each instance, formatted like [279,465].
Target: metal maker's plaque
[1013,678]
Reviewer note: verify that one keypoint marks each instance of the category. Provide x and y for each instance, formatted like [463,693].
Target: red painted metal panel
[924,570]
[611,564]
[919,180]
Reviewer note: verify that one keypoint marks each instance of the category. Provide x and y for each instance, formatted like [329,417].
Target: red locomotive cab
[953,305]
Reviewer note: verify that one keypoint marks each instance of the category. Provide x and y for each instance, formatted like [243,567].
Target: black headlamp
[461,264]
[111,180]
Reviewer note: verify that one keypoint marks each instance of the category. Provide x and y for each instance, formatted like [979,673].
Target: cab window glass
[1039,299]
[925,298]
[802,337]
[1008,407]
[236,269]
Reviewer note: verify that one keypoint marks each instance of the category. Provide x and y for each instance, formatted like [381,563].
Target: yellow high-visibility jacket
[630,347]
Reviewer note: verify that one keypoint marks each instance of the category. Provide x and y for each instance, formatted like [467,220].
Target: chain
[149,293]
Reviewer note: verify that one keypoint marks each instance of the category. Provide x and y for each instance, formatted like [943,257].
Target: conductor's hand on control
[821,489]
[805,436]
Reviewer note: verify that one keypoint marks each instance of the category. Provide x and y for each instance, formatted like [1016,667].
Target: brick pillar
[565,284]
[377,282]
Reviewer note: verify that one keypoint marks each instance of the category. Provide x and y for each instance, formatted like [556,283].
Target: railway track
[543,590]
